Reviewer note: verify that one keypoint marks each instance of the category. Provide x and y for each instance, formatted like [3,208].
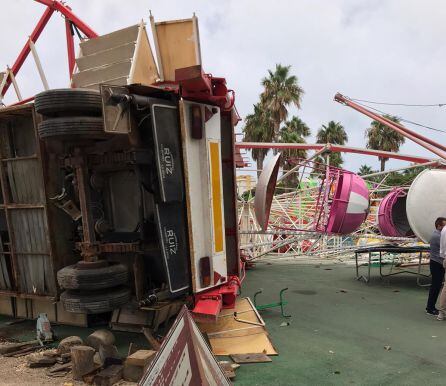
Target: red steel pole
[26,49]
[66,11]
[427,143]
[331,147]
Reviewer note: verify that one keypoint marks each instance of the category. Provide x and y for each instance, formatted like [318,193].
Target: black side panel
[166,136]
[173,241]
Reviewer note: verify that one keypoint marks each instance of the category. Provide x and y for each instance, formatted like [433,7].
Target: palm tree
[381,137]
[294,131]
[333,133]
[365,170]
[258,128]
[281,90]
[296,124]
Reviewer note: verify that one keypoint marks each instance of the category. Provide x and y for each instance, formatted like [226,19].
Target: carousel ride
[317,210]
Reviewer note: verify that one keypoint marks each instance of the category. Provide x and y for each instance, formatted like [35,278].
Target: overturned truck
[120,196]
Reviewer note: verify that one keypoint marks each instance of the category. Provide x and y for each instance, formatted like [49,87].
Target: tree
[281,90]
[381,137]
[333,133]
[294,131]
[258,128]
[364,170]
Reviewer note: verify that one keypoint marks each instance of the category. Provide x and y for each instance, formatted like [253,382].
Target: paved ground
[338,331]
[339,337]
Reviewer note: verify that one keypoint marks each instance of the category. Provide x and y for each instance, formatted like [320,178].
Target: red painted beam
[26,50]
[331,147]
[52,5]
[425,142]
[83,27]
[66,11]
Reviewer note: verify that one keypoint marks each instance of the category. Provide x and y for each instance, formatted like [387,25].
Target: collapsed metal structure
[289,223]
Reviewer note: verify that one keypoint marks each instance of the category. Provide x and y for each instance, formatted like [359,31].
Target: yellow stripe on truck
[217,213]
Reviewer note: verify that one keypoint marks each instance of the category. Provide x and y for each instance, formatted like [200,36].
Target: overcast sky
[390,51]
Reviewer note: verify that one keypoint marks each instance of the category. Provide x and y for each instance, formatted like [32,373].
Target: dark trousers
[437,272]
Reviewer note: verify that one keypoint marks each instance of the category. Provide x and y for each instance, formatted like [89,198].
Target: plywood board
[71,318]
[178,46]
[258,342]
[6,306]
[229,336]
[144,70]
[226,322]
[250,358]
[44,307]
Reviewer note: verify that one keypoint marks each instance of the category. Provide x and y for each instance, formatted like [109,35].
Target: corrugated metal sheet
[26,182]
[32,250]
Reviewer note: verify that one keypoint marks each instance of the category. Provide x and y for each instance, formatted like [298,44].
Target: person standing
[436,266]
[442,305]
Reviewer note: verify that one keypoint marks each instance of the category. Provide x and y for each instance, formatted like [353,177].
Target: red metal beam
[66,11]
[331,147]
[427,143]
[26,49]
[52,5]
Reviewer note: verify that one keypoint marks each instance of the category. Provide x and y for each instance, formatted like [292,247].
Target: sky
[386,50]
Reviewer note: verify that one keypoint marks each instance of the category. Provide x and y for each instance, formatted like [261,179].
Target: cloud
[386,51]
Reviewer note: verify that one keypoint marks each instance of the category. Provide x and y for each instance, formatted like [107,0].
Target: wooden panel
[44,307]
[226,322]
[251,358]
[23,308]
[144,70]
[177,46]
[6,306]
[229,336]
[71,318]
[259,342]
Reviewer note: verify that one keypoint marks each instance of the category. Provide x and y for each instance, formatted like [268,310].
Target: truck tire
[73,277]
[68,102]
[72,128]
[95,302]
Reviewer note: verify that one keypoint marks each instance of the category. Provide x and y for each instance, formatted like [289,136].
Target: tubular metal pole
[425,142]
[38,64]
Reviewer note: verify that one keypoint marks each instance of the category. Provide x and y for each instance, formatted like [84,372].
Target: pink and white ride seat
[347,209]
[350,205]
[392,216]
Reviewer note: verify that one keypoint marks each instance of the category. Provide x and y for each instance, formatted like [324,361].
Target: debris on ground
[242,335]
[93,361]
[68,342]
[250,358]
[100,337]
[136,363]
[228,369]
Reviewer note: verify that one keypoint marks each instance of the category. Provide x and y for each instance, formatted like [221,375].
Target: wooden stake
[83,363]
